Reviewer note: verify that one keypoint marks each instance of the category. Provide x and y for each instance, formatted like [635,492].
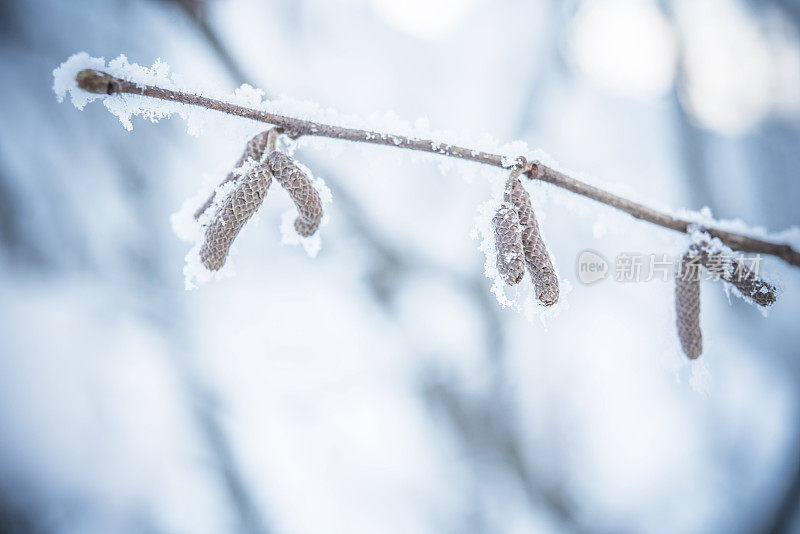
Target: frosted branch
[99,82]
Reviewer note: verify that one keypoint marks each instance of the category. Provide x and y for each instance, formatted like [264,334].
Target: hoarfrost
[64,79]
[125,106]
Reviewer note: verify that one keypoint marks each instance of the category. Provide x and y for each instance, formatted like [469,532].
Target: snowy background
[379,387]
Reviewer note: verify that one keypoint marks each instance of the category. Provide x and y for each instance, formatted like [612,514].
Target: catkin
[762,292]
[298,185]
[735,273]
[253,150]
[236,209]
[508,241]
[304,228]
[536,255]
[687,307]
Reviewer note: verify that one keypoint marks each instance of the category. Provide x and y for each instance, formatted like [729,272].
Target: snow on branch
[512,239]
[97,83]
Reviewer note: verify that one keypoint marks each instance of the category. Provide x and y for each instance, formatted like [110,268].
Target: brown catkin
[762,292]
[304,228]
[687,306]
[298,185]
[508,242]
[235,210]
[253,150]
[735,273]
[536,255]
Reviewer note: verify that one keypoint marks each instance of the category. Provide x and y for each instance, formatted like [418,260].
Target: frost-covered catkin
[762,292]
[735,273]
[299,187]
[536,255]
[508,242]
[253,150]
[687,306]
[236,209]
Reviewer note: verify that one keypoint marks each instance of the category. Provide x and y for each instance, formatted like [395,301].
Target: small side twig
[103,83]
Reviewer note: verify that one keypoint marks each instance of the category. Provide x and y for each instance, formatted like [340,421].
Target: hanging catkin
[687,306]
[762,292]
[254,150]
[508,241]
[536,255]
[735,273]
[235,210]
[298,185]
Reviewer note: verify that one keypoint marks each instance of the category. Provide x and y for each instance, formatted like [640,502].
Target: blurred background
[379,387]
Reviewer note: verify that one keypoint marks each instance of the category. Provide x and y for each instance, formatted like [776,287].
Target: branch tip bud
[97,82]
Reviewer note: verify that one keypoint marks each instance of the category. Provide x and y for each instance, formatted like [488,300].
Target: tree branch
[103,83]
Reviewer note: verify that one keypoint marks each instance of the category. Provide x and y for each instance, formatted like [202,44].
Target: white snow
[64,79]
[125,107]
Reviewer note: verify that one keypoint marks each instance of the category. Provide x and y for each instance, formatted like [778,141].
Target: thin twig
[104,83]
